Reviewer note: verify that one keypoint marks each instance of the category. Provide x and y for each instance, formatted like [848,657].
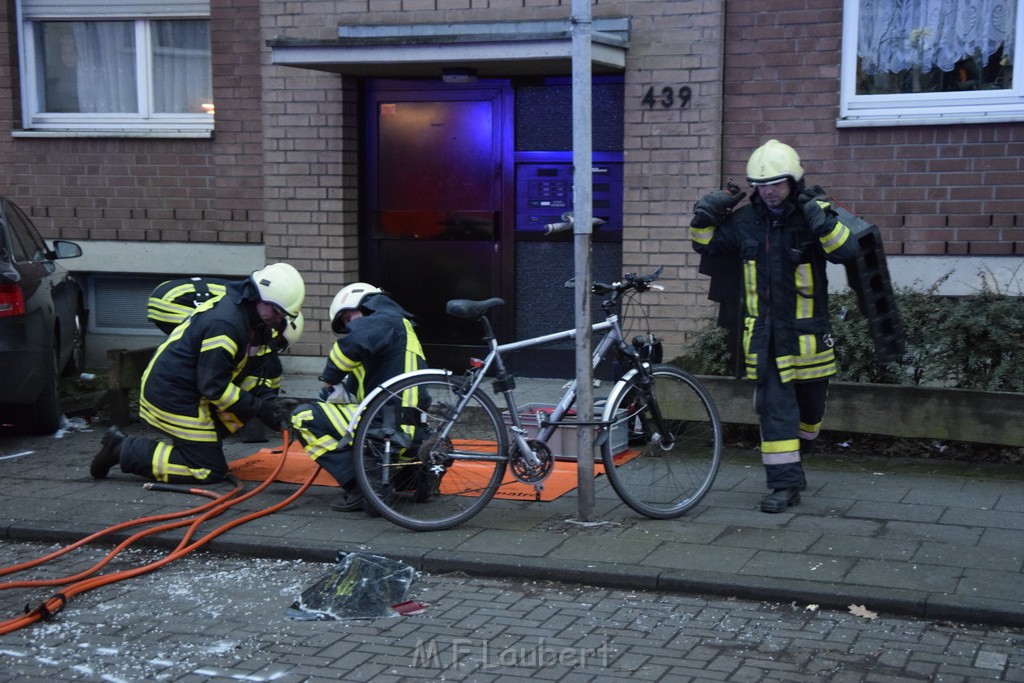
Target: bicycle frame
[673,455]
[547,425]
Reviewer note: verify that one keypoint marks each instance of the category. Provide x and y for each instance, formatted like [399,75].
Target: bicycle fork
[662,436]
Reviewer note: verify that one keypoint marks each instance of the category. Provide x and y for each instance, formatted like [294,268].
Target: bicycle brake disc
[533,474]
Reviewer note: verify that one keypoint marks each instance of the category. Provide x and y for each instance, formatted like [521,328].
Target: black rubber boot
[109,455]
[780,499]
[350,500]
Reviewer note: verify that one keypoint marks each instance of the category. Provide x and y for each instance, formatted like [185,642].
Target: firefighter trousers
[178,462]
[790,414]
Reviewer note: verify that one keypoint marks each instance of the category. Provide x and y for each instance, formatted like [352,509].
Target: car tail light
[12,302]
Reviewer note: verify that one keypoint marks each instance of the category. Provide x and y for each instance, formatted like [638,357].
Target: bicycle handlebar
[630,281]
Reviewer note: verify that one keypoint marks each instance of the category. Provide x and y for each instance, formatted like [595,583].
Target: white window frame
[144,123]
[992,106]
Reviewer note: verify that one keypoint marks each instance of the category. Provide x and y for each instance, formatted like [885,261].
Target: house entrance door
[438,188]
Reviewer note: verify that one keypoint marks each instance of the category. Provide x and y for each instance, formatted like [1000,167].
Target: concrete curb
[917,604]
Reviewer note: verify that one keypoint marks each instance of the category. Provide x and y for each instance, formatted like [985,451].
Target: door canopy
[455,52]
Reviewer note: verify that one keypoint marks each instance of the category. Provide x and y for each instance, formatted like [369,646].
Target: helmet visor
[770,181]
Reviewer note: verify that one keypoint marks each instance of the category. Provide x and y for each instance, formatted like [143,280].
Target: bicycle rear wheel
[664,475]
[427,467]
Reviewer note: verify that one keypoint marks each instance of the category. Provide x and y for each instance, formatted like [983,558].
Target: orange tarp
[299,467]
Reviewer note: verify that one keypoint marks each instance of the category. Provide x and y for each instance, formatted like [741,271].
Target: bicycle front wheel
[424,465]
[663,472]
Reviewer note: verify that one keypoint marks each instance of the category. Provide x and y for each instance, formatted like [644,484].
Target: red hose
[57,602]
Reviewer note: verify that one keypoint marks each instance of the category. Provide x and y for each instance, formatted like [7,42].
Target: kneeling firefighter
[173,301]
[377,342]
[191,389]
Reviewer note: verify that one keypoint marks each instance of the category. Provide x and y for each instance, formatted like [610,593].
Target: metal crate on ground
[563,442]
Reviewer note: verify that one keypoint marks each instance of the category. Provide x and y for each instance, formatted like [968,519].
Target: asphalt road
[212,617]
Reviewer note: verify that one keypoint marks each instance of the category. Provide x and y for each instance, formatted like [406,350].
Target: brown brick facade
[131,189]
[935,190]
[283,166]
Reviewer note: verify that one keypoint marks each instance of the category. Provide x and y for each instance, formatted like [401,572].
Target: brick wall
[672,152]
[950,189]
[183,190]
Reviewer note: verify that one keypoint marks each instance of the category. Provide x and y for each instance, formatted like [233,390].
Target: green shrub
[966,342]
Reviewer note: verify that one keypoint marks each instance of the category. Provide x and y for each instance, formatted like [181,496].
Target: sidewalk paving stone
[924,540]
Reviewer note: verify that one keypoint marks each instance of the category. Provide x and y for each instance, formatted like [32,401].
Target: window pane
[181,67]
[928,46]
[87,66]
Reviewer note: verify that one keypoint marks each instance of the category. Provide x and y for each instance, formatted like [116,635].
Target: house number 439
[667,97]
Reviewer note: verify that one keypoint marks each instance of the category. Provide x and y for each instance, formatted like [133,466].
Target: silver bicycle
[432,448]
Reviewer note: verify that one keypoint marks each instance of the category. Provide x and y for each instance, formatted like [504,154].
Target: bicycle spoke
[453,466]
[662,474]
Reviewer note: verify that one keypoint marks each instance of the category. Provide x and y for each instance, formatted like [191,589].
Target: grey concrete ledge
[991,417]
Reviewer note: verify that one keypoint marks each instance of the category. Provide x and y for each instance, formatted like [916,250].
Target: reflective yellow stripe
[339,415]
[344,363]
[835,239]
[809,431]
[231,394]
[702,235]
[750,286]
[803,280]
[780,452]
[221,341]
[749,358]
[191,428]
[231,421]
[163,469]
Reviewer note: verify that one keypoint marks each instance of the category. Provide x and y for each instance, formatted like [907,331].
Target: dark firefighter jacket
[191,375]
[783,286]
[378,346]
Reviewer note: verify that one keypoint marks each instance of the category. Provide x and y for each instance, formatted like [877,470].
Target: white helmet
[280,284]
[773,161]
[349,298]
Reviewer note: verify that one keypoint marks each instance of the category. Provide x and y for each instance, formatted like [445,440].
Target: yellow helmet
[773,161]
[280,284]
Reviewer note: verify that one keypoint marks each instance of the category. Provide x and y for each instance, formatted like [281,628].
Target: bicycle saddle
[468,308]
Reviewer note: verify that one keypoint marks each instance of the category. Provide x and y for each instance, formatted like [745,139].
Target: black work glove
[816,207]
[713,207]
[272,414]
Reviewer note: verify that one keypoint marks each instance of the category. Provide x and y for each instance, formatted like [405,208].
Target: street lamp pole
[582,161]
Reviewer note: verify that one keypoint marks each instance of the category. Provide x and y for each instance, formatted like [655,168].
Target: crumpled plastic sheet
[361,586]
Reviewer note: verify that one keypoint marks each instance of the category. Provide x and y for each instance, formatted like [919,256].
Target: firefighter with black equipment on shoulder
[191,391]
[171,302]
[771,254]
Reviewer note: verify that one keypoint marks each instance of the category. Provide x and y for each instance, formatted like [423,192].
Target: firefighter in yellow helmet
[780,241]
[191,390]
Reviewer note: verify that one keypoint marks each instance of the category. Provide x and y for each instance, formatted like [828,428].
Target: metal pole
[582,228]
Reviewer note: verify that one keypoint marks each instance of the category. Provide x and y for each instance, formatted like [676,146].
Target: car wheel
[76,361]
[44,416]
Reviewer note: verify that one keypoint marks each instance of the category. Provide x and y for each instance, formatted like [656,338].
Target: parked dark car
[42,323]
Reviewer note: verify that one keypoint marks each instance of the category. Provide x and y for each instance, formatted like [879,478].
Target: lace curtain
[181,66]
[900,35]
[105,60]
[91,66]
